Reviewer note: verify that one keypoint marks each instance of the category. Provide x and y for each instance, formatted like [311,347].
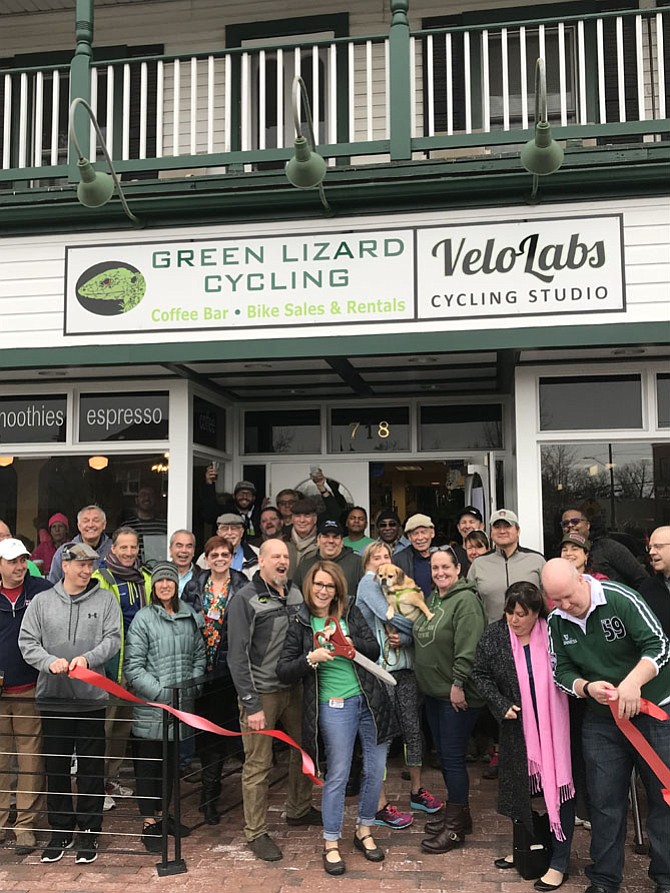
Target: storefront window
[292,432]
[123,416]
[603,402]
[663,390]
[369,430]
[476,426]
[125,486]
[624,485]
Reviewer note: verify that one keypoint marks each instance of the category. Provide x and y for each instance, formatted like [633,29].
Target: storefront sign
[124,416]
[33,419]
[524,268]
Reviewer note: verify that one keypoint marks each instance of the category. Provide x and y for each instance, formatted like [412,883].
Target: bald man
[656,590]
[607,645]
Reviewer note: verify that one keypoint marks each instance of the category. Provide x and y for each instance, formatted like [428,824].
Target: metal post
[171,768]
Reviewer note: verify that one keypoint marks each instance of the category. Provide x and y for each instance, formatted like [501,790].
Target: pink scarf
[549,765]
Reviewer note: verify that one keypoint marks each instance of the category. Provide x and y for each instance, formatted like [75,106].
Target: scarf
[131,574]
[549,765]
[302,543]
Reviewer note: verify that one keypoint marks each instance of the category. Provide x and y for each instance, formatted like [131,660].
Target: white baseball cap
[12,548]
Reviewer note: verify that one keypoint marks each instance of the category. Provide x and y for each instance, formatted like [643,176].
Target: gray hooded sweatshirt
[60,625]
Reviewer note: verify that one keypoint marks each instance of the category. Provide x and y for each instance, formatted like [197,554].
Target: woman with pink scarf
[512,671]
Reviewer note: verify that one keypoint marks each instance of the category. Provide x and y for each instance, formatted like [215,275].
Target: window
[293,432]
[369,430]
[601,402]
[473,427]
[623,485]
[663,389]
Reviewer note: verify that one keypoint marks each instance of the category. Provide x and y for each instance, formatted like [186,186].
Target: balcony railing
[470,93]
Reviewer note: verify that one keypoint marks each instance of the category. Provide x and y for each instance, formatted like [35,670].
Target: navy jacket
[17,671]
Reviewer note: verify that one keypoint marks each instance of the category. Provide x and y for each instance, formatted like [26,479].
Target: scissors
[338,645]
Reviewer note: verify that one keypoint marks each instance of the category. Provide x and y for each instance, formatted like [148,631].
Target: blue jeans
[339,727]
[609,759]
[560,849]
[451,730]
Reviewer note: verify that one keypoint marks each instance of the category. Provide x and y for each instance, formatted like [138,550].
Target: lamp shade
[542,155]
[306,169]
[96,187]
[98,463]
[6,461]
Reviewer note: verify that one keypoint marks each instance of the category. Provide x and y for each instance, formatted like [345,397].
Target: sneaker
[391,817]
[425,801]
[114,789]
[491,771]
[265,848]
[87,847]
[108,803]
[151,837]
[56,847]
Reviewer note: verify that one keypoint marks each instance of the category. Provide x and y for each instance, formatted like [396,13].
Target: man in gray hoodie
[74,624]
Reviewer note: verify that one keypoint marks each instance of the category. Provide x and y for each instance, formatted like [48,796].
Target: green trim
[381,344]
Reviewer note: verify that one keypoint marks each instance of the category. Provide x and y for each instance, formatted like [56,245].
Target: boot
[436,824]
[453,833]
[211,813]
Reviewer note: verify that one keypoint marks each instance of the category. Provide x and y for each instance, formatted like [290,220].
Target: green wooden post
[399,82]
[80,77]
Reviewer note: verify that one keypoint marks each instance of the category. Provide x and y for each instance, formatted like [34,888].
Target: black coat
[657,596]
[494,675]
[293,667]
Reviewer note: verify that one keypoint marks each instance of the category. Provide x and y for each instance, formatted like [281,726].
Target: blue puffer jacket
[162,650]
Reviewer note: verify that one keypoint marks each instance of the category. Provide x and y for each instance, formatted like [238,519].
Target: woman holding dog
[342,701]
[444,651]
[513,672]
[397,656]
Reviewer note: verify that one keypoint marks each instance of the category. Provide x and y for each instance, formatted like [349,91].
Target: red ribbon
[640,743]
[191,719]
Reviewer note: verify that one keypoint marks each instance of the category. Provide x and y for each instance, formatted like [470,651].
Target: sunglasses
[572,522]
[447,549]
[388,524]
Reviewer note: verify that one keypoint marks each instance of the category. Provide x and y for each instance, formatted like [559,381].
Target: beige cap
[418,521]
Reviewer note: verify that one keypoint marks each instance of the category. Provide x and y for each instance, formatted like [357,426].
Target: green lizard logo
[111,288]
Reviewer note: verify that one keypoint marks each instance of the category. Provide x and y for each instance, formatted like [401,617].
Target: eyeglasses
[326,587]
[572,522]
[229,526]
[286,502]
[656,546]
[387,524]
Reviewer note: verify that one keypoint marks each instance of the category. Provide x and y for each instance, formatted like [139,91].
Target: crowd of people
[295,608]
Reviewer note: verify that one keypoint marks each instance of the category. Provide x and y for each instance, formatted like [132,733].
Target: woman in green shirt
[342,701]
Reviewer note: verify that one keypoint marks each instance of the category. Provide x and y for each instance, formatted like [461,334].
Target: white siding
[32,273]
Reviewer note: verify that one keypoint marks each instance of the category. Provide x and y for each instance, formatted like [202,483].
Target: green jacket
[444,647]
[114,667]
[164,650]
[620,630]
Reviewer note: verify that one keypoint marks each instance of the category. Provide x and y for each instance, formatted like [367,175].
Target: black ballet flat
[503,863]
[543,887]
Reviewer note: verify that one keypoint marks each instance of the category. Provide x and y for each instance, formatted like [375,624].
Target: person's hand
[319,479]
[256,721]
[319,655]
[78,662]
[513,712]
[457,698]
[601,691]
[211,474]
[60,665]
[394,639]
[628,695]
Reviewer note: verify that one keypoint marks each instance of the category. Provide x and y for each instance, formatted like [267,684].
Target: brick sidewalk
[217,857]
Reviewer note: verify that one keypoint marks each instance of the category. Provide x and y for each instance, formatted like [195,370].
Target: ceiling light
[98,463]
[6,461]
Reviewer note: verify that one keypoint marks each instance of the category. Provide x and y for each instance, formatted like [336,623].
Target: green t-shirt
[337,678]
